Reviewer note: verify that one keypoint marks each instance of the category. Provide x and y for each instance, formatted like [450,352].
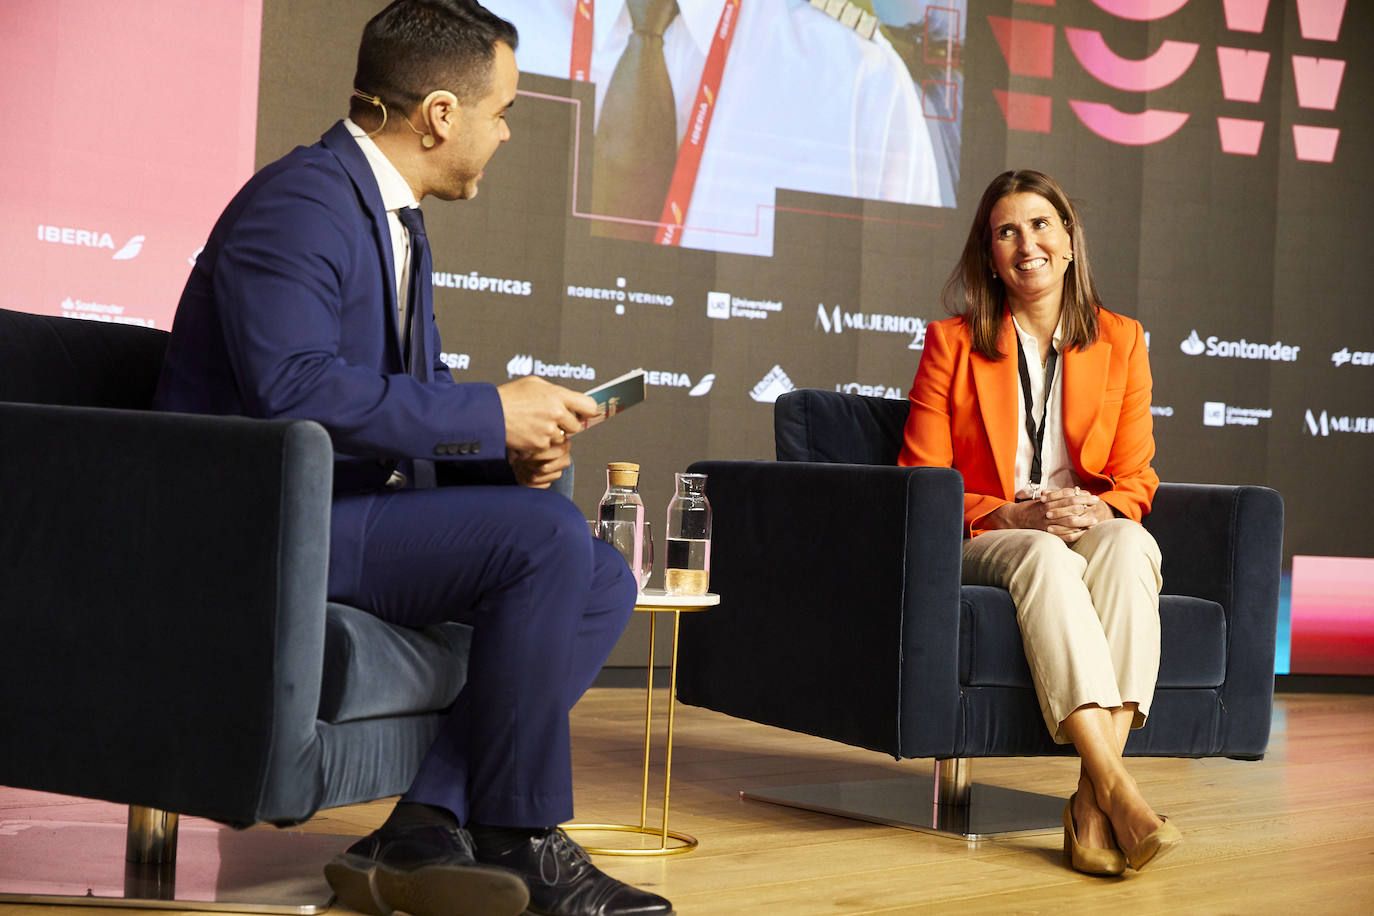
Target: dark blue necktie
[420,304]
[419,317]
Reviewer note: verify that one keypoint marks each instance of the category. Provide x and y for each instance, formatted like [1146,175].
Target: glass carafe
[687,564]
[621,515]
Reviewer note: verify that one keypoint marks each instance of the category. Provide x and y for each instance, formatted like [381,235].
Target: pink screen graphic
[129,126]
[1333,615]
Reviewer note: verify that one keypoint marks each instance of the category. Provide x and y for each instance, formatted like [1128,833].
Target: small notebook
[618,394]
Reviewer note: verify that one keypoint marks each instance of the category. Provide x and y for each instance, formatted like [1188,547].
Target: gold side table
[653,601]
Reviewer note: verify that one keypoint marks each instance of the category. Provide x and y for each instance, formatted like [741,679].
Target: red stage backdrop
[128,126]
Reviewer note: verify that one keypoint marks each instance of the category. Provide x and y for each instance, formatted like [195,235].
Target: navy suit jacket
[290,311]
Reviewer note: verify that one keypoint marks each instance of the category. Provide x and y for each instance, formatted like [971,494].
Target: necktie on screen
[418,317]
[636,138]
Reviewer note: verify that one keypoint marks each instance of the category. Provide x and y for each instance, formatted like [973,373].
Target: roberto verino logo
[1029,46]
[91,238]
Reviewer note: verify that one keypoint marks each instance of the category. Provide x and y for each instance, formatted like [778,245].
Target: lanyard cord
[1037,434]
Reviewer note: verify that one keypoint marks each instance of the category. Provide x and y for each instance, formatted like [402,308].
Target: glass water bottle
[687,568]
[620,515]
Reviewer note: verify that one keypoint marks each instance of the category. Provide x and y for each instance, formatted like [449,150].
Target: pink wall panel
[135,124]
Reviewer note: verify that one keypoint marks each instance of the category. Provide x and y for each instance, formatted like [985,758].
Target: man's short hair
[414,47]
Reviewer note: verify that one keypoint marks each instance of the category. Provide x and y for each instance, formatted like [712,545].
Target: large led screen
[744,98]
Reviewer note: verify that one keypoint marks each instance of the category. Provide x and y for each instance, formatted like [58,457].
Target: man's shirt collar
[395,190]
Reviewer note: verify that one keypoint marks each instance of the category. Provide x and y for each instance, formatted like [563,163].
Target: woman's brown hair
[973,293]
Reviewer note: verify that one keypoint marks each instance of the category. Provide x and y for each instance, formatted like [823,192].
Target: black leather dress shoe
[564,882]
[425,871]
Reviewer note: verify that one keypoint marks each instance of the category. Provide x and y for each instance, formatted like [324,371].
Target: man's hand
[1066,514]
[541,469]
[540,414]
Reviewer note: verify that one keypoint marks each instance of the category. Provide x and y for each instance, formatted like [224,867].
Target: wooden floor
[1292,834]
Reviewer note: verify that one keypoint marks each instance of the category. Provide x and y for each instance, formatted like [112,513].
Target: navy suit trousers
[546,602]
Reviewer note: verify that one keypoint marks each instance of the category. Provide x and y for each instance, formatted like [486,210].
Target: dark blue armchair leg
[947,803]
[263,871]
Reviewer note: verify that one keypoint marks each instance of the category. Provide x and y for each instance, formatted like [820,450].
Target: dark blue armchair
[165,641]
[842,616]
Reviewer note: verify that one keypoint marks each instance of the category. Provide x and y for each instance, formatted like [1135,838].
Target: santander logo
[1028,47]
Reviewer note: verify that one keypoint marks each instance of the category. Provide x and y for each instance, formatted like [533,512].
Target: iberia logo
[1028,47]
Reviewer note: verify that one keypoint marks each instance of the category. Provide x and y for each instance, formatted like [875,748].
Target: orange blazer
[963,415]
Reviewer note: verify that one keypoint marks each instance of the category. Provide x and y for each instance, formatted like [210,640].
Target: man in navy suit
[312,299]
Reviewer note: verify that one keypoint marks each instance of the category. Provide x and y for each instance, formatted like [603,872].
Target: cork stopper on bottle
[623,473]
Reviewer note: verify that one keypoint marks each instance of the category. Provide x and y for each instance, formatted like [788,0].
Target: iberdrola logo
[1193,345]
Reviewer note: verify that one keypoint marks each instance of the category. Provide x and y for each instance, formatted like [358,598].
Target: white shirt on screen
[805,104]
[396,194]
[1055,466]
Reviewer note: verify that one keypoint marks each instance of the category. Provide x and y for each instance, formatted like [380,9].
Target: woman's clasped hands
[1067,513]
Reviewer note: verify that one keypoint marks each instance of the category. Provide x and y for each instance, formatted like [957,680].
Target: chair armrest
[816,565]
[1225,544]
[162,592]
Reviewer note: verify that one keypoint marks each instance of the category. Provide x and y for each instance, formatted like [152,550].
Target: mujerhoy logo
[834,321]
[1324,424]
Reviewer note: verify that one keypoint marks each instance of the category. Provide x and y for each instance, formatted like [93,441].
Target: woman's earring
[1069,256]
[427,141]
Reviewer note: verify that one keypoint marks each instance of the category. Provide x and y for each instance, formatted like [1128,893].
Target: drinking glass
[622,535]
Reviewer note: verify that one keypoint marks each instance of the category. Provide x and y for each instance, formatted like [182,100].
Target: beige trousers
[1089,613]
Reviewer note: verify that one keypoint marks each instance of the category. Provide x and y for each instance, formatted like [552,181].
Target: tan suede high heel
[1165,837]
[1087,860]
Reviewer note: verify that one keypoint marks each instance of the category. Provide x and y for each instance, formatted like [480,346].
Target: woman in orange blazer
[1040,398]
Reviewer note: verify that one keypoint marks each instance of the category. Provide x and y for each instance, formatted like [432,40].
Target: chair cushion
[1192,637]
[811,424]
[373,668]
